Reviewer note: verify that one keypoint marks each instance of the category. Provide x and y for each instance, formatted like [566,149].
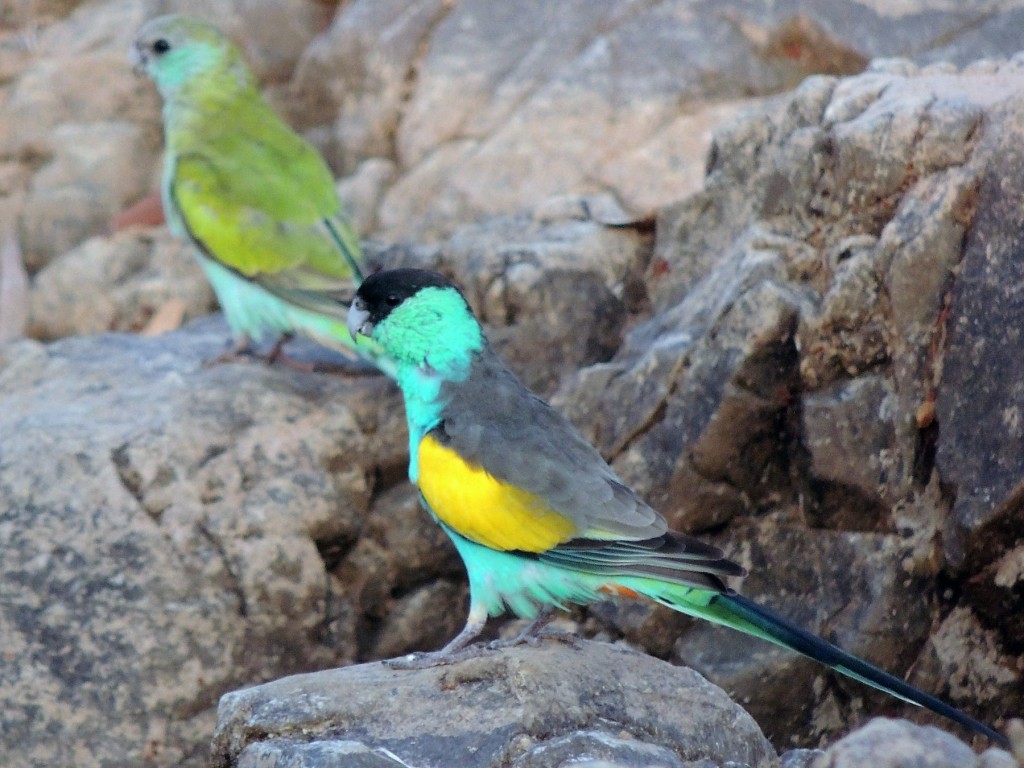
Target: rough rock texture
[808,304]
[899,744]
[161,536]
[527,707]
[487,109]
[117,284]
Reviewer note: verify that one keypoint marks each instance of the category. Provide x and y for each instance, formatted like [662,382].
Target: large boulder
[539,707]
[163,537]
[831,348]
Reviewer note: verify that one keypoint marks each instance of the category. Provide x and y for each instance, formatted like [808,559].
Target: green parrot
[254,199]
[537,515]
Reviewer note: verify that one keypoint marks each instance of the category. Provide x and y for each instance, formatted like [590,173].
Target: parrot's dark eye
[393,300]
[161,46]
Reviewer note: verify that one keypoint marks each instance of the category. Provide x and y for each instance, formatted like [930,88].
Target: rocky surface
[528,707]
[796,338]
[117,283]
[900,744]
[808,304]
[164,528]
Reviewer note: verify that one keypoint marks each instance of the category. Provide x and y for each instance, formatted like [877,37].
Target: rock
[966,661]
[849,588]
[96,170]
[597,749]
[117,283]
[795,362]
[899,744]
[799,758]
[161,534]
[710,381]
[361,66]
[848,431]
[61,90]
[361,192]
[13,291]
[534,707]
[978,444]
[997,596]
[485,112]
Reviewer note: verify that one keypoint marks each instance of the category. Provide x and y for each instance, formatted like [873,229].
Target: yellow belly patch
[485,510]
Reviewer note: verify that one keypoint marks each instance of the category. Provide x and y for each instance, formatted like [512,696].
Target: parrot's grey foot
[430,659]
[533,640]
[535,632]
[459,649]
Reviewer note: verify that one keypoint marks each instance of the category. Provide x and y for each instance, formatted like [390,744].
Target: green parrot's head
[179,51]
[418,318]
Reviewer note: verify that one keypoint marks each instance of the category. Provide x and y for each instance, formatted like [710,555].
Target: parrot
[537,515]
[254,199]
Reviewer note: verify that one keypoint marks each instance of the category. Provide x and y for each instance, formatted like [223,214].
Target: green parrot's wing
[493,421]
[264,216]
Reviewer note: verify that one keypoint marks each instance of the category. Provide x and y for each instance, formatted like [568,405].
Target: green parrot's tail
[347,241]
[736,611]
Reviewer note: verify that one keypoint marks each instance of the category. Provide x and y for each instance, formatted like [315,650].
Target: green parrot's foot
[429,659]
[240,351]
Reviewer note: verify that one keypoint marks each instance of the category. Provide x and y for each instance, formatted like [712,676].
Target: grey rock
[161,527]
[486,112]
[898,744]
[796,364]
[981,398]
[849,588]
[967,661]
[318,754]
[497,707]
[799,758]
[596,748]
[359,68]
[117,284]
[848,430]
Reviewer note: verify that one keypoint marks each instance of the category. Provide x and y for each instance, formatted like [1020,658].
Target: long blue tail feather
[740,610]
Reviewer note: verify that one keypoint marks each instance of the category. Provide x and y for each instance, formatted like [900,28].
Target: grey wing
[494,421]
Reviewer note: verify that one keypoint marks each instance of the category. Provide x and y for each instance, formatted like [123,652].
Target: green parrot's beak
[359,319]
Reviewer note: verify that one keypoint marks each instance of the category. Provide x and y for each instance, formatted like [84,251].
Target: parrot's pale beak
[359,319]
[137,58]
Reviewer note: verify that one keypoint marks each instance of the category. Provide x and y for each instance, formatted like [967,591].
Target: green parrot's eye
[161,46]
[393,300]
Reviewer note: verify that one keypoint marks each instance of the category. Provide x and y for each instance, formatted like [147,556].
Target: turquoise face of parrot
[174,50]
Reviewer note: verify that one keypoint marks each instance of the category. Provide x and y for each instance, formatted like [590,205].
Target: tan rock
[97,168]
[117,284]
